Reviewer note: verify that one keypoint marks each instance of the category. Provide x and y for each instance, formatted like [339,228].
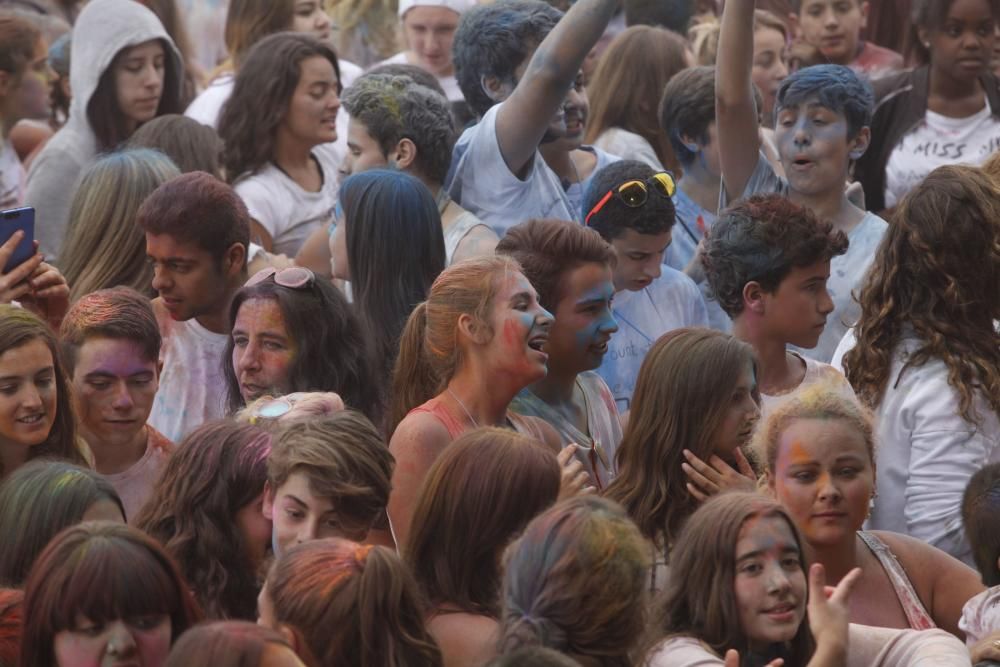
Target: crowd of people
[530,333]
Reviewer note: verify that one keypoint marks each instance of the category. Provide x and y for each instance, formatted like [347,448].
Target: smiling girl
[739,589]
[284,105]
[36,419]
[124,71]
[821,467]
[465,353]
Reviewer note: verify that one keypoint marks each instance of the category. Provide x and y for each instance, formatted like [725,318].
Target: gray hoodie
[103,29]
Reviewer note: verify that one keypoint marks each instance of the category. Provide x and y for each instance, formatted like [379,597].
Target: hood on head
[103,29]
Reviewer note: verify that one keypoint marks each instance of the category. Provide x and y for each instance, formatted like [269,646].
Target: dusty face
[814,147]
[824,477]
[263,350]
[300,515]
[363,151]
[521,330]
[189,281]
[770,585]
[770,65]
[583,322]
[640,258]
[429,32]
[114,385]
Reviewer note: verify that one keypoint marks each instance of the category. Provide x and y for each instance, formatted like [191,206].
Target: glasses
[636,193]
[294,277]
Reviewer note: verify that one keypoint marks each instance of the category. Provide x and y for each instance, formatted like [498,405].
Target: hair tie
[361,553]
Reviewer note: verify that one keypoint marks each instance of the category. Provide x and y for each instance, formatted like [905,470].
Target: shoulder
[349,72]
[925,563]
[420,433]
[673,284]
[538,428]
[466,639]
[683,651]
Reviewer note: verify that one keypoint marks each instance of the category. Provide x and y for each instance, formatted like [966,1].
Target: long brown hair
[699,600]
[351,605]
[103,571]
[936,274]
[429,352]
[575,581]
[628,82]
[684,387]
[479,494]
[218,469]
[19,327]
[249,21]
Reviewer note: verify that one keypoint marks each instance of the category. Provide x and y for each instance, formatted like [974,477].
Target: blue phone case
[11,221]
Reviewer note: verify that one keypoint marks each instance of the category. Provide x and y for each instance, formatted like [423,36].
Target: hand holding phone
[11,222]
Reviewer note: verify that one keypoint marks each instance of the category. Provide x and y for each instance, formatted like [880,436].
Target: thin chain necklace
[462,405]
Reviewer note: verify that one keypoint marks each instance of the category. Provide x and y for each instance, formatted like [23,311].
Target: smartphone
[10,222]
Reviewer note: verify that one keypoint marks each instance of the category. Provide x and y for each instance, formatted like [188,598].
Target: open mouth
[782,613]
[537,343]
[32,419]
[600,348]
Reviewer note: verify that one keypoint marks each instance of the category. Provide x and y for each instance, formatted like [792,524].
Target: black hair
[656,216]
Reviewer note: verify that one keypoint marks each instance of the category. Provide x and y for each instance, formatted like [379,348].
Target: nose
[780,69]
[322,20]
[652,270]
[544,318]
[830,18]
[308,531]
[121,643]
[828,491]
[825,303]
[801,136]
[777,579]
[249,359]
[161,281]
[610,325]
[30,397]
[123,398]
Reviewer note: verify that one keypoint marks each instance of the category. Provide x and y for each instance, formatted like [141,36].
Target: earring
[927,45]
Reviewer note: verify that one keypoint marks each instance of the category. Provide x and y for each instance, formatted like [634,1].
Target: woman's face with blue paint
[583,323]
[814,148]
[520,332]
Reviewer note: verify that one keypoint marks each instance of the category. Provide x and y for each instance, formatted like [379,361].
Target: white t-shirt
[817,372]
[12,177]
[926,452]
[847,271]
[692,223]
[629,145]
[289,213]
[192,388]
[937,141]
[670,302]
[448,83]
[481,182]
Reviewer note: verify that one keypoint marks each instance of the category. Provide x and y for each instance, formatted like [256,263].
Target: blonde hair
[704,39]
[819,401]
[429,352]
[104,245]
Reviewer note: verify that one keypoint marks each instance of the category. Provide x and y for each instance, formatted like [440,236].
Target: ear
[404,154]
[923,36]
[159,368]
[865,7]
[234,261]
[795,25]
[5,80]
[769,481]
[495,89]
[691,143]
[860,143]
[753,297]
[471,329]
[291,637]
[267,506]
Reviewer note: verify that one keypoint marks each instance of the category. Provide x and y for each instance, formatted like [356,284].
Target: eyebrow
[47,369]
[521,295]
[296,500]
[786,549]
[101,373]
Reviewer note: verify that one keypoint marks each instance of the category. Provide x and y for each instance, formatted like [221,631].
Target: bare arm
[315,252]
[481,241]
[735,114]
[524,117]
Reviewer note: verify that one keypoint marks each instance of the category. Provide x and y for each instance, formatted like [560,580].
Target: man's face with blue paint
[583,323]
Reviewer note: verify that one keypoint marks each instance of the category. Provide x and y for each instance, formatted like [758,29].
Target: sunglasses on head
[635,193]
[294,277]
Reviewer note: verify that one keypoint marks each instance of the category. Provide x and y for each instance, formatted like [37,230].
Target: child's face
[834,27]
[963,46]
[824,477]
[770,64]
[742,414]
[299,515]
[583,322]
[796,311]
[640,257]
[814,149]
[770,585]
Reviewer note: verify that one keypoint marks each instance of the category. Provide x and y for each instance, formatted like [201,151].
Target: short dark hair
[493,40]
[838,88]
[18,39]
[197,208]
[419,75]
[761,239]
[393,108]
[118,312]
[189,144]
[549,249]
[981,517]
[688,108]
[656,216]
[670,14]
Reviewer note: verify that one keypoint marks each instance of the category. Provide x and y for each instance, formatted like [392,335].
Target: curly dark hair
[980,509]
[656,216]
[936,274]
[249,121]
[761,239]
[493,40]
[393,108]
[217,470]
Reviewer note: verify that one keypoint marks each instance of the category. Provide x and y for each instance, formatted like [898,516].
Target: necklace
[462,405]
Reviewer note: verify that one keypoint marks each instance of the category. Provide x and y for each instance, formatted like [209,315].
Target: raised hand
[708,479]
